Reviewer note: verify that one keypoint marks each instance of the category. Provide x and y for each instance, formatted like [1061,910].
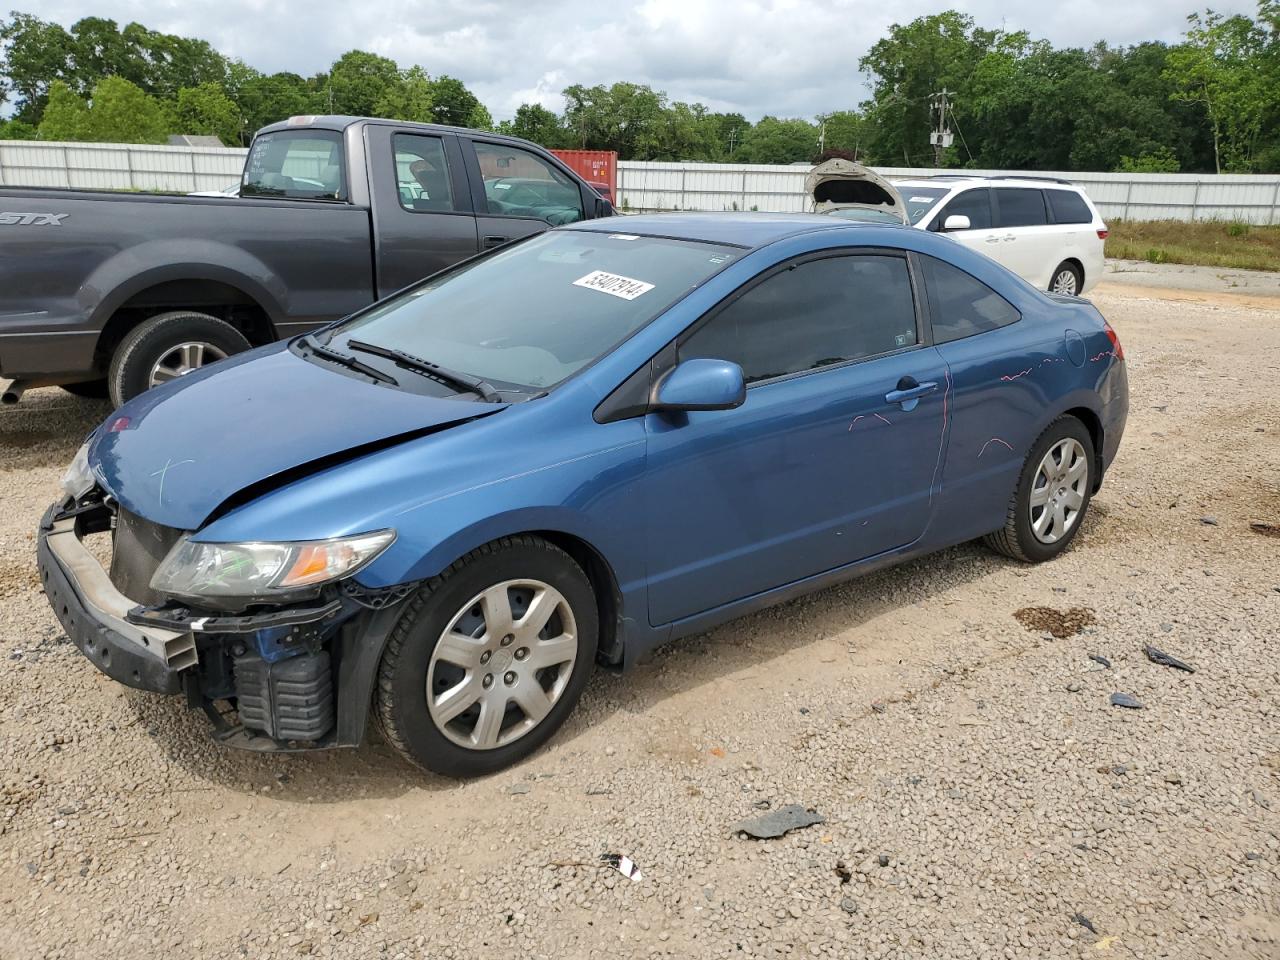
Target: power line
[961,132]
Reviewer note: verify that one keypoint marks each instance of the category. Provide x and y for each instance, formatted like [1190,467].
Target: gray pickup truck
[113,293]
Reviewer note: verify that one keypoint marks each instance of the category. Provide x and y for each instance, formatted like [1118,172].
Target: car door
[830,459]
[1030,246]
[981,234]
[517,193]
[422,215]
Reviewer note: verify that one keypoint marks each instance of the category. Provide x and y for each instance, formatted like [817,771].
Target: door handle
[491,242]
[993,239]
[1008,237]
[909,392]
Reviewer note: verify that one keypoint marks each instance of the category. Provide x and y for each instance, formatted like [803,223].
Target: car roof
[740,229]
[949,182]
[340,122]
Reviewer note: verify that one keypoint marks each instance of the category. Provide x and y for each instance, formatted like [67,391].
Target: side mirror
[603,207]
[702,384]
[957,221]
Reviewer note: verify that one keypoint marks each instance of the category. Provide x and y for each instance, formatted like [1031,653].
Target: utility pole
[940,136]
[822,137]
[733,141]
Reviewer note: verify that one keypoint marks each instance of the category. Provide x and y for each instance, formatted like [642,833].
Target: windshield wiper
[351,363]
[485,391]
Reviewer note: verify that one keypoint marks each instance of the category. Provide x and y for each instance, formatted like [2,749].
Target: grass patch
[1236,246]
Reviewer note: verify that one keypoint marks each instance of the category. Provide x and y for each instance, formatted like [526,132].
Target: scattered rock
[1209,521]
[883,859]
[1265,529]
[779,822]
[848,905]
[1156,655]
[598,791]
[1128,701]
[1074,687]
[1085,922]
[517,788]
[1099,658]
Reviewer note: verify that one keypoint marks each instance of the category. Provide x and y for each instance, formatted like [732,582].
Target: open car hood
[237,428]
[845,185]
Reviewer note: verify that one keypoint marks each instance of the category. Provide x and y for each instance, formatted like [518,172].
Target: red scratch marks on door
[1009,378]
[942,438]
[995,440]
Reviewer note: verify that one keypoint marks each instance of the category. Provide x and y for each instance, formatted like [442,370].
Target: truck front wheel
[168,346]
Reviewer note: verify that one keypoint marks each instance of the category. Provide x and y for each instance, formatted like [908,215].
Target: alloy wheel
[182,359]
[1058,491]
[501,664]
[1065,282]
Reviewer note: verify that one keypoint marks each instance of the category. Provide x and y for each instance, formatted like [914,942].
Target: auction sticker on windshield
[613,284]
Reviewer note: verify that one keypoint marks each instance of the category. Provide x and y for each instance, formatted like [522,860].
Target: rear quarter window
[960,305]
[1067,206]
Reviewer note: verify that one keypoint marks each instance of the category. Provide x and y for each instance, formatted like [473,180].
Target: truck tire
[167,346]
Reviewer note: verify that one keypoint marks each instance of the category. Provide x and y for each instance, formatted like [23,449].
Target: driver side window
[518,183]
[812,315]
[974,204]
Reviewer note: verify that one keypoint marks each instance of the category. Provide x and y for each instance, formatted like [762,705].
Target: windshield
[301,164]
[532,315]
[920,200]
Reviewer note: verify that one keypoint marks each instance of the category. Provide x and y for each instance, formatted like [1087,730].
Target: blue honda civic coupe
[444,510]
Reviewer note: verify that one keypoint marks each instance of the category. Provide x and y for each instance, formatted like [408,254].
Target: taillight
[1102,234]
[1116,350]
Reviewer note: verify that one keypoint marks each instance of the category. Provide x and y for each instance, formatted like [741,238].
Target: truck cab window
[422,174]
[301,165]
[518,183]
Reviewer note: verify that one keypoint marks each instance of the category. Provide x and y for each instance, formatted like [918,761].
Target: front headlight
[79,479]
[263,571]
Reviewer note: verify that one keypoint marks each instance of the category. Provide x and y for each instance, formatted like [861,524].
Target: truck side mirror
[603,208]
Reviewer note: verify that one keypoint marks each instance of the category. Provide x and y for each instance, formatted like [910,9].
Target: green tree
[843,133]
[36,55]
[1224,66]
[207,110]
[359,81]
[121,112]
[625,117]
[66,116]
[535,122]
[263,99]
[728,130]
[453,103]
[780,141]
[908,67]
[17,130]
[410,98]
[1159,160]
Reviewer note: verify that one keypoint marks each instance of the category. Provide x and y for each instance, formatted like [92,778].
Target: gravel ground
[981,797]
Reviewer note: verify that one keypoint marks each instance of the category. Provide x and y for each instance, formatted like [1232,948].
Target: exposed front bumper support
[94,614]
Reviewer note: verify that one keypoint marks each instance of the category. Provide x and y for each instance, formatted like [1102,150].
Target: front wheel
[489,658]
[1052,495]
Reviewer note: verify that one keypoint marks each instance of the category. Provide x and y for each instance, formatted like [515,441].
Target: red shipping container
[598,167]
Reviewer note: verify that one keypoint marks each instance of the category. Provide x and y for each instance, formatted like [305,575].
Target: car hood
[845,185]
[176,453]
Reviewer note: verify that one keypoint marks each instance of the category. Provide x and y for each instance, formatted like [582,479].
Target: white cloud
[784,57]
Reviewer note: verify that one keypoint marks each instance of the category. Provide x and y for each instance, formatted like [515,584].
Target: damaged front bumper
[293,678]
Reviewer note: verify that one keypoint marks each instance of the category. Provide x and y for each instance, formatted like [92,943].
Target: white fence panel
[118,166]
[645,186]
[1128,196]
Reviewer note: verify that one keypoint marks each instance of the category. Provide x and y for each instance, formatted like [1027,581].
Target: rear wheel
[489,658]
[169,346]
[1068,279]
[1052,495]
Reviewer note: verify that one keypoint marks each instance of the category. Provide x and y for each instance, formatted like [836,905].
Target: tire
[1018,538]
[1067,278]
[455,605]
[158,340]
[90,389]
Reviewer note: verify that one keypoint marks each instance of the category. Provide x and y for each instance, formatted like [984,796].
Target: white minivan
[1043,229]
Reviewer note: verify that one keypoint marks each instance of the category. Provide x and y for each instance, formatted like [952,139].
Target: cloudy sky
[787,57]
